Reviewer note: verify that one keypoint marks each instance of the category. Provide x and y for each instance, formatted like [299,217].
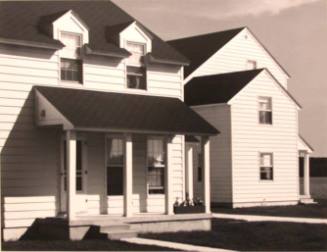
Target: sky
[294,31]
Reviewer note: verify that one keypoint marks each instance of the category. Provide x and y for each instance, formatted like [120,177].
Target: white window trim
[272,166]
[164,140]
[271,110]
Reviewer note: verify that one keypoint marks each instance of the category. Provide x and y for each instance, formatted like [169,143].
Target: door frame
[63,173]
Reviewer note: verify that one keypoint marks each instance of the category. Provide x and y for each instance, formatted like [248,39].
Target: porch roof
[98,110]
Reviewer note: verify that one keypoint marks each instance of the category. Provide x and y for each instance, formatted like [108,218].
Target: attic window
[251,64]
[136,72]
[72,42]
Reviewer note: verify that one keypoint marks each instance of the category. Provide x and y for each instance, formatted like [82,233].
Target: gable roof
[199,48]
[87,109]
[98,16]
[218,88]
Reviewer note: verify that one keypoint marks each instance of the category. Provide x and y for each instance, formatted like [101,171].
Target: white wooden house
[92,121]
[239,87]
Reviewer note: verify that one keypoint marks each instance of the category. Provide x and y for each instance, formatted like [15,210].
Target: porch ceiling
[86,109]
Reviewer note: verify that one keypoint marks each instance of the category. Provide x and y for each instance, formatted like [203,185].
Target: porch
[122,155]
[305,150]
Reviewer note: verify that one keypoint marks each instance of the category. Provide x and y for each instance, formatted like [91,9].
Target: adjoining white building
[236,85]
[92,122]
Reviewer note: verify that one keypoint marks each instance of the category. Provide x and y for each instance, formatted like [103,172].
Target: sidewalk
[269,218]
[172,245]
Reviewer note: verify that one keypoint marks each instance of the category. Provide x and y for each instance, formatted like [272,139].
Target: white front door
[81,177]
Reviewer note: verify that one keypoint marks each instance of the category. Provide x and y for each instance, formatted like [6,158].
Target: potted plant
[188,206]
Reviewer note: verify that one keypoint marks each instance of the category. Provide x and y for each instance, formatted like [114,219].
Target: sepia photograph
[163,125]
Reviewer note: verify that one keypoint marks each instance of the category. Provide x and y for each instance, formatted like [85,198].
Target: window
[200,164]
[79,166]
[115,165]
[265,110]
[266,166]
[156,166]
[70,63]
[251,64]
[136,72]
[136,77]
[71,70]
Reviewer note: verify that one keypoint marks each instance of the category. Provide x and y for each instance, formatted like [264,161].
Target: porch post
[306,174]
[169,179]
[189,171]
[206,172]
[128,176]
[71,173]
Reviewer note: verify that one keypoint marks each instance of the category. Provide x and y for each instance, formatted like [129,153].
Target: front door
[81,177]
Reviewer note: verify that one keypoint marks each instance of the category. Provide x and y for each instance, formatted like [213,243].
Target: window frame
[270,102]
[271,166]
[164,142]
[107,138]
[141,66]
[79,71]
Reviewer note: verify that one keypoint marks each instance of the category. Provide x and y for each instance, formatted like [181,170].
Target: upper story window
[70,63]
[136,72]
[265,110]
[266,166]
[251,64]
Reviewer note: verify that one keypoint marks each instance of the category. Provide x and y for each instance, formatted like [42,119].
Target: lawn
[90,245]
[249,236]
[309,211]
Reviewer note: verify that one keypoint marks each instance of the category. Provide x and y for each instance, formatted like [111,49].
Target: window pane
[115,152]
[71,70]
[156,165]
[136,77]
[266,173]
[137,51]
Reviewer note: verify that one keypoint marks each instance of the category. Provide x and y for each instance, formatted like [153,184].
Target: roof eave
[89,51]
[33,44]
[153,59]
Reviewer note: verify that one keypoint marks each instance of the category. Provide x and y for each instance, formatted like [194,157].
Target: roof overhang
[106,53]
[303,145]
[152,59]
[86,110]
[56,45]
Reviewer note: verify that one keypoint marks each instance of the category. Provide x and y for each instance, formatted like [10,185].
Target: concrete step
[117,227]
[120,234]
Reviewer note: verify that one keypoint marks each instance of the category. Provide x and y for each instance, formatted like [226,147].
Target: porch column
[169,179]
[206,172]
[189,171]
[71,173]
[128,176]
[306,174]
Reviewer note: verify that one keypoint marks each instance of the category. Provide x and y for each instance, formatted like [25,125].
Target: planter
[188,209]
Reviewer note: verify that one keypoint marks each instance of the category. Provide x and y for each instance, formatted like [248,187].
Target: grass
[309,211]
[250,236]
[85,245]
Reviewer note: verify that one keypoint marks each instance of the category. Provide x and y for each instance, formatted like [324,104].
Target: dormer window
[136,72]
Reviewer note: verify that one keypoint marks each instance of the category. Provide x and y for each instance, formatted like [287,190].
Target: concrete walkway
[269,218]
[172,245]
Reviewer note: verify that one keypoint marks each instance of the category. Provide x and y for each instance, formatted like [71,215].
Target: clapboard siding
[220,153]
[234,55]
[249,138]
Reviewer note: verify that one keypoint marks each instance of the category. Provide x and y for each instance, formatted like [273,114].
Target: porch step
[120,234]
[109,228]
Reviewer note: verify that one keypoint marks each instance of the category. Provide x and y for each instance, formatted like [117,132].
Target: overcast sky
[294,31]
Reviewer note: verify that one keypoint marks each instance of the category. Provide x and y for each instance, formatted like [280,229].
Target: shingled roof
[218,88]
[20,20]
[200,48]
[86,109]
